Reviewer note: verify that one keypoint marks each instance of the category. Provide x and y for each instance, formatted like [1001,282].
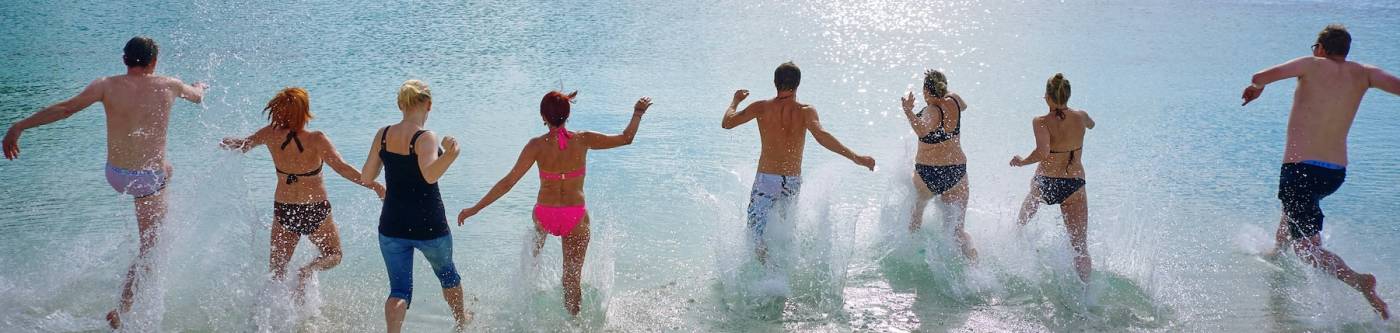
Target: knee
[449,278]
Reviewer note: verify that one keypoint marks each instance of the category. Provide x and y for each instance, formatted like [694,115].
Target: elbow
[726,125]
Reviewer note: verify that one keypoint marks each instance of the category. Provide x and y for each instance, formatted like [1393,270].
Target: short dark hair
[787,77]
[1335,40]
[140,51]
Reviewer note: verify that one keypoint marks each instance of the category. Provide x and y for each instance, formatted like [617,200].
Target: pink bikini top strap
[562,176]
[563,136]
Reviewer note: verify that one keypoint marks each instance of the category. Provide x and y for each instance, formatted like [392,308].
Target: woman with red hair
[299,206]
[559,210]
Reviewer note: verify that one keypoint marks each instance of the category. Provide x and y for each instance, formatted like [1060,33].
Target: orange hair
[290,109]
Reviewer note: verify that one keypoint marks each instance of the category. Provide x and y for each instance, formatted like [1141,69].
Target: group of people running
[413,159]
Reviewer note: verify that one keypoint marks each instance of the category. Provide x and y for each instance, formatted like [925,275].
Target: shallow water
[1181,179]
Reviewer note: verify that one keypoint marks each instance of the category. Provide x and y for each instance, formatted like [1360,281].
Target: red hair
[554,107]
[290,109]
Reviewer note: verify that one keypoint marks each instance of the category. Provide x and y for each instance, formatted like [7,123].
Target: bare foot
[113,320]
[1367,284]
[467,319]
[1270,254]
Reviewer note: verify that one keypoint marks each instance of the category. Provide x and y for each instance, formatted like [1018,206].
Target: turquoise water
[1181,178]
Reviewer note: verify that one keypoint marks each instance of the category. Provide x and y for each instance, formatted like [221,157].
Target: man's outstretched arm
[1291,69]
[814,125]
[1384,81]
[62,110]
[193,93]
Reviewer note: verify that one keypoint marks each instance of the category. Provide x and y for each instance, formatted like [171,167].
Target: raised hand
[1251,93]
[740,95]
[466,213]
[12,143]
[908,102]
[642,105]
[201,85]
[449,146]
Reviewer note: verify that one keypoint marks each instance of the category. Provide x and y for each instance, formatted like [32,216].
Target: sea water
[1181,179]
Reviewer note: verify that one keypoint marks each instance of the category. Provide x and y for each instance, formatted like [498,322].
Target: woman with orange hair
[559,209]
[300,207]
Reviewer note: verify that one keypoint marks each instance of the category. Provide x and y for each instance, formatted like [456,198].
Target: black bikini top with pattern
[940,134]
[293,177]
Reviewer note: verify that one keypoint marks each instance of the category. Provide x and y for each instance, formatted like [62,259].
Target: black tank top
[412,207]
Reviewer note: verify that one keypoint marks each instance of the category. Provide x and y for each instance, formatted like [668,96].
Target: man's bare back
[138,115]
[1325,103]
[782,129]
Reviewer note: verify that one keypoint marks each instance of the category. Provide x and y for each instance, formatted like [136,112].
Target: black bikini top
[292,177]
[940,135]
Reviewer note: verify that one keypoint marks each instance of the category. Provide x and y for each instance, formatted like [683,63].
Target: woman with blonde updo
[299,206]
[1059,180]
[940,166]
[413,216]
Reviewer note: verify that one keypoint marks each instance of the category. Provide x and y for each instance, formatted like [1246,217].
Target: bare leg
[956,198]
[1076,212]
[540,235]
[922,197]
[284,244]
[150,213]
[761,252]
[1311,251]
[575,249]
[327,240]
[1280,238]
[1030,205]
[394,311]
[459,310]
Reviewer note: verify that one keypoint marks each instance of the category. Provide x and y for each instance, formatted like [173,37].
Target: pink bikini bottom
[559,221]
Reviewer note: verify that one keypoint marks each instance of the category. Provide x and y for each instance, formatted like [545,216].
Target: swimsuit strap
[293,177]
[957,130]
[1071,155]
[562,135]
[562,176]
[292,136]
[1060,113]
[412,150]
[942,114]
[384,138]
